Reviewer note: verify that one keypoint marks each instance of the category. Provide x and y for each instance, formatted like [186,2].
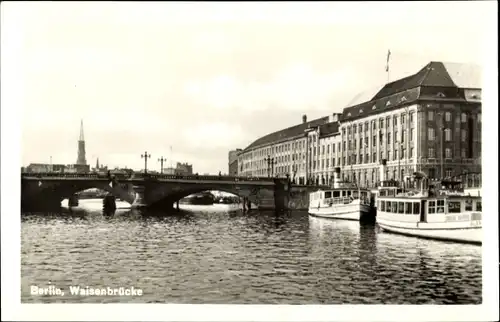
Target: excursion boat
[343,201]
[439,211]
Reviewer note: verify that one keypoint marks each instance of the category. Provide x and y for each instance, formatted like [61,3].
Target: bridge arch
[166,196]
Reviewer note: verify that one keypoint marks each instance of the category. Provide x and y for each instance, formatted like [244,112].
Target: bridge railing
[193,177]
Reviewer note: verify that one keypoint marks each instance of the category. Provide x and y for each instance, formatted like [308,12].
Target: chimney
[304,118]
[383,165]
[336,177]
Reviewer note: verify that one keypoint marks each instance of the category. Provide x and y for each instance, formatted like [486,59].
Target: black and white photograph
[215,157]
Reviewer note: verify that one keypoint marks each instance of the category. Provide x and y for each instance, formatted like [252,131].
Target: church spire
[97,164]
[81,131]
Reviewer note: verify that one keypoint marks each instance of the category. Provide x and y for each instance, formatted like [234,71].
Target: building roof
[405,90]
[329,129]
[287,133]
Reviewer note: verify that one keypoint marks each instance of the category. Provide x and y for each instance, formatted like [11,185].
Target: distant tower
[81,147]
[97,164]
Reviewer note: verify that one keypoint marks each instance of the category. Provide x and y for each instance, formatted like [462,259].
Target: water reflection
[235,257]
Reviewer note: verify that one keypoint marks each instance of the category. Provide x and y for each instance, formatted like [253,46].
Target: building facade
[428,122]
[180,169]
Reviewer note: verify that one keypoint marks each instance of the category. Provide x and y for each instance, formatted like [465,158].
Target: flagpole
[387,69]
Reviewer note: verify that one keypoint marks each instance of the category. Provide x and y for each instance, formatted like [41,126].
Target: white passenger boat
[343,201]
[441,212]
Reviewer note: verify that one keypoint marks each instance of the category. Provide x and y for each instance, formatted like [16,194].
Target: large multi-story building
[428,122]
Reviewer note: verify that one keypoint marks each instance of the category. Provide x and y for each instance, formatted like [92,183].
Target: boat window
[408,206]
[328,194]
[382,193]
[468,205]
[440,206]
[382,206]
[348,193]
[336,194]
[479,206]
[401,207]
[355,195]
[394,207]
[454,207]
[388,206]
[416,208]
[343,193]
[432,207]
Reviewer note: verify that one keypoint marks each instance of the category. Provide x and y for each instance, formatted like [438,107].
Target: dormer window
[360,111]
[349,114]
[403,99]
[440,94]
[388,103]
[374,107]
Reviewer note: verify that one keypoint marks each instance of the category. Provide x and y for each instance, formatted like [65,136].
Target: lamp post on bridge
[146,156]
[161,160]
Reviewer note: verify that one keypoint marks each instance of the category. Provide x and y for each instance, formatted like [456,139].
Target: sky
[191,81]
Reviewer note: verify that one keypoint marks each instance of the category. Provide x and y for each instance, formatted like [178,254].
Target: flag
[387,63]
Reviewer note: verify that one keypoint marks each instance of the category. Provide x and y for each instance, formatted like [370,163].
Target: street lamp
[161,160]
[145,156]
[270,163]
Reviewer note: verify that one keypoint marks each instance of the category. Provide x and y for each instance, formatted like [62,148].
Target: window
[430,115]
[389,138]
[360,143]
[431,153]
[430,134]
[462,153]
[333,148]
[374,157]
[447,153]
[447,135]
[408,208]
[432,207]
[411,117]
[468,205]
[381,126]
[479,206]
[394,207]
[374,141]
[401,207]
[447,116]
[354,128]
[382,205]
[453,207]
[440,206]
[387,122]
[333,162]
[403,117]
[411,152]
[463,135]
[395,121]
[416,208]
[463,116]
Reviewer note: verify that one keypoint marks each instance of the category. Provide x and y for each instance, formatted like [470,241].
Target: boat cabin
[431,209]
[341,196]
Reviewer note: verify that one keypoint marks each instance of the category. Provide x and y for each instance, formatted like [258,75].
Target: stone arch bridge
[45,191]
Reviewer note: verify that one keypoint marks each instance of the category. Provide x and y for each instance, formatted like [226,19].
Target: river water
[214,255]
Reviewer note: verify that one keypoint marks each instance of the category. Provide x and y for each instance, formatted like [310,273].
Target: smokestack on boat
[304,118]
[336,177]
[383,165]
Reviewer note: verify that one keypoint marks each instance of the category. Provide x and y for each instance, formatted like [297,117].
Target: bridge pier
[139,201]
[73,201]
[109,203]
